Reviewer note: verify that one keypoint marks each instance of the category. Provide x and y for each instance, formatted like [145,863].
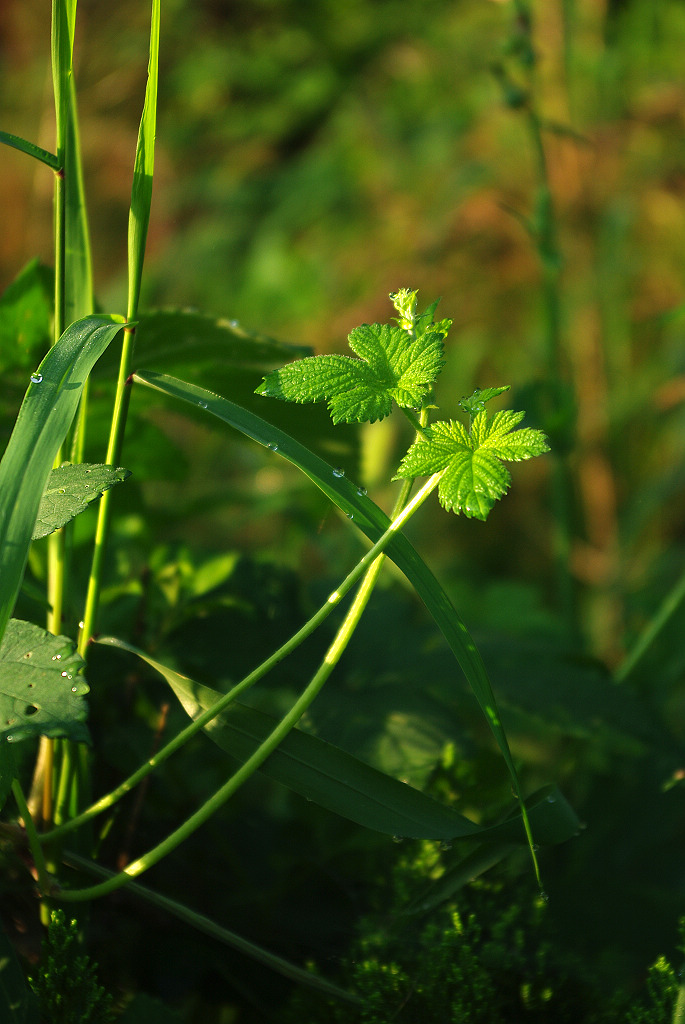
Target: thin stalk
[287,723]
[215,931]
[32,836]
[113,457]
[669,606]
[333,600]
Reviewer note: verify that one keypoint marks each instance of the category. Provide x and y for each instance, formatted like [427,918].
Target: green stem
[289,721]
[113,457]
[32,836]
[669,606]
[215,931]
[333,600]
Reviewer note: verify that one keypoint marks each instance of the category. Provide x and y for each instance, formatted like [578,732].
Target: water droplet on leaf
[551,798]
[64,674]
[362,492]
[543,896]
[338,472]
[398,839]
[203,405]
[57,657]
[36,378]
[74,689]
[234,323]
[10,738]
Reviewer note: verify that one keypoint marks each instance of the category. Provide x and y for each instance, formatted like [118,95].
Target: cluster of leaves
[491,957]
[66,984]
[401,364]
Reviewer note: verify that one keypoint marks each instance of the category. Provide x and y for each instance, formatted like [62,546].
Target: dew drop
[551,798]
[234,323]
[349,515]
[81,624]
[543,896]
[36,378]
[338,472]
[445,845]
[74,689]
[64,674]
[362,492]
[398,839]
[10,738]
[272,446]
[61,490]
[203,405]
[57,657]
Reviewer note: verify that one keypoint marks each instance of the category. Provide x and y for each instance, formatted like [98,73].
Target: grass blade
[371,521]
[30,148]
[44,418]
[143,169]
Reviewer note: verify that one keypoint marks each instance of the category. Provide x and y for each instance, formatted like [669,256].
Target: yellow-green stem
[286,724]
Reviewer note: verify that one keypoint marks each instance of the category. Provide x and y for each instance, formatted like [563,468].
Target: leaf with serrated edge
[69,491]
[391,367]
[474,476]
[41,688]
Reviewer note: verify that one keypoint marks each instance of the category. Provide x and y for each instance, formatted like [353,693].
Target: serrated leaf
[474,476]
[391,367]
[69,491]
[41,686]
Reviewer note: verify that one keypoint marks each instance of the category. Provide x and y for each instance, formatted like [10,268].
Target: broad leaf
[41,686]
[336,780]
[392,367]
[474,476]
[178,336]
[69,491]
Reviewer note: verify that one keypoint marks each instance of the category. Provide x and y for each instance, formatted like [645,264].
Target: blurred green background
[313,156]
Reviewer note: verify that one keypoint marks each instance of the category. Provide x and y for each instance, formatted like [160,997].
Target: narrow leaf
[41,688]
[69,491]
[30,148]
[341,783]
[143,169]
[44,418]
[371,521]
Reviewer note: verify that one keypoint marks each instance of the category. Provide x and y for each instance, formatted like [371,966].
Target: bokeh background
[315,155]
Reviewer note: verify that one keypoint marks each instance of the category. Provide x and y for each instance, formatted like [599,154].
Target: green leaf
[143,169]
[25,315]
[392,367]
[41,686]
[69,491]
[474,476]
[476,402]
[177,336]
[44,418]
[366,516]
[336,780]
[30,148]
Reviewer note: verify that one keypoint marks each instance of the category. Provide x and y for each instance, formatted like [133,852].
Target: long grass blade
[371,521]
[143,170]
[44,418]
[30,148]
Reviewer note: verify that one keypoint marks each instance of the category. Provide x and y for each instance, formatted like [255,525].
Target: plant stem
[32,836]
[215,931]
[669,606]
[370,562]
